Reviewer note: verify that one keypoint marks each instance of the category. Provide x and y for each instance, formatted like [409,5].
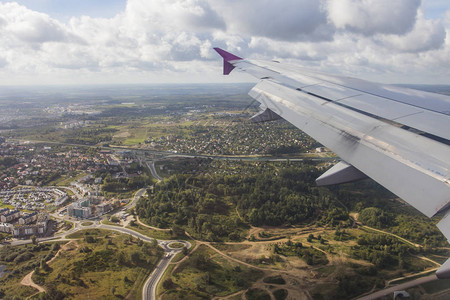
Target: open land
[184,162]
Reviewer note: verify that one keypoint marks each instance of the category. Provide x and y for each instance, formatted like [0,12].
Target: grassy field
[101,264]
[156,234]
[21,260]
[176,245]
[231,247]
[206,275]
[65,180]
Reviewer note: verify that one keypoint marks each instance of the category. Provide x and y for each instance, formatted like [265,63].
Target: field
[19,261]
[101,264]
[207,275]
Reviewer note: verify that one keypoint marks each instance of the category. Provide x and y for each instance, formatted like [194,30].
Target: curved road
[152,169]
[149,289]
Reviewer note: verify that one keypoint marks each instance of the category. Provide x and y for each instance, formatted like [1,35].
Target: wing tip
[227,57]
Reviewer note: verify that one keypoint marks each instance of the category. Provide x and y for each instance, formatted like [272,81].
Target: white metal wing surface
[399,137]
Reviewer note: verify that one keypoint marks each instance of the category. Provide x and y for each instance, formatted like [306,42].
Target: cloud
[172,14]
[294,20]
[369,17]
[3,62]
[426,35]
[170,40]
[31,27]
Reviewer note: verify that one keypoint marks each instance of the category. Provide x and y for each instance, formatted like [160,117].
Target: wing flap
[342,172]
[396,159]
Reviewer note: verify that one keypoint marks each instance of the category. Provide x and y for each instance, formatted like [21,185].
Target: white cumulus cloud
[426,35]
[172,40]
[370,17]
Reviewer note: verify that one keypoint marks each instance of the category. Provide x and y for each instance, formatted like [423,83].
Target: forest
[218,206]
[220,199]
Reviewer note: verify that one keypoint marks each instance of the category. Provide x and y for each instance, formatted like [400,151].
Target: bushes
[23,257]
[375,217]
[310,255]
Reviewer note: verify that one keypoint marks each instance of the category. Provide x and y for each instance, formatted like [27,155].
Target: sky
[48,42]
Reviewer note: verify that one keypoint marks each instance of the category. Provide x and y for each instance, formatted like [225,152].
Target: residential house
[10,216]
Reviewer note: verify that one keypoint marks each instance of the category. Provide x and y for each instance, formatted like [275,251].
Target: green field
[156,234]
[101,264]
[206,275]
[19,261]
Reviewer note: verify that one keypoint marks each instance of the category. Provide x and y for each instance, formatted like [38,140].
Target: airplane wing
[399,137]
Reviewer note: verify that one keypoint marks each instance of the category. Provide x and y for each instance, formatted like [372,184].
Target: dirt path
[230,296]
[151,227]
[355,217]
[427,259]
[28,281]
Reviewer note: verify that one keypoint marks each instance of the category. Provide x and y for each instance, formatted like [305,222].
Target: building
[27,230]
[80,212]
[40,228]
[2,140]
[10,216]
[27,219]
[80,209]
[83,189]
[103,208]
[6,227]
[4,211]
[60,201]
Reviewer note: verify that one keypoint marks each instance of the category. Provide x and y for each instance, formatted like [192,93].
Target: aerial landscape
[150,161]
[132,168]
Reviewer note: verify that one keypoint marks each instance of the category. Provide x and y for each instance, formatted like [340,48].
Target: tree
[135,257]
[177,230]
[168,284]
[44,265]
[34,239]
[121,258]
[55,247]
[89,239]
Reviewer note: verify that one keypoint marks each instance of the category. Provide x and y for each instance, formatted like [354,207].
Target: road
[151,166]
[149,288]
[136,197]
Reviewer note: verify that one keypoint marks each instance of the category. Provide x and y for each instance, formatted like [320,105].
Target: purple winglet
[227,56]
